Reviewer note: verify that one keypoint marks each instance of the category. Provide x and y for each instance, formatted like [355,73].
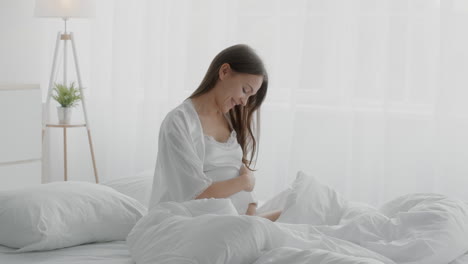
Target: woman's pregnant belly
[241,199]
[222,173]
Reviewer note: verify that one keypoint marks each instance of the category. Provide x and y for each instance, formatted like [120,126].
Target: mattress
[102,253]
[461,260]
[98,253]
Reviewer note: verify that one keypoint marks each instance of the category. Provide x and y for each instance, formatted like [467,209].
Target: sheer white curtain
[367,95]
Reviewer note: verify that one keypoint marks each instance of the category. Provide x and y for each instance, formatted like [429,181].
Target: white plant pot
[64,114]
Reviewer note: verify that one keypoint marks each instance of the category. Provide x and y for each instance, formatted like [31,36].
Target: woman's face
[235,88]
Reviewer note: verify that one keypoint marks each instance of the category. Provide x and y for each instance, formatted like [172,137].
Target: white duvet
[317,226]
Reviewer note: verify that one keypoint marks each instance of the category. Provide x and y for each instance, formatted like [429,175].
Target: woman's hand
[248,178]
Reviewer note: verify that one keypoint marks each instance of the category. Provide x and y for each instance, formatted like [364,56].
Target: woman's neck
[206,105]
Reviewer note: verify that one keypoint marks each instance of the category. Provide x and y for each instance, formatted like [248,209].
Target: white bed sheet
[317,225]
[461,260]
[99,253]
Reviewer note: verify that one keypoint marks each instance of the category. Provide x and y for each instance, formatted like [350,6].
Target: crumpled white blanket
[317,226]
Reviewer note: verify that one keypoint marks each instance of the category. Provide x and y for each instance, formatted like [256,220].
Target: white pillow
[64,214]
[311,202]
[138,187]
[277,202]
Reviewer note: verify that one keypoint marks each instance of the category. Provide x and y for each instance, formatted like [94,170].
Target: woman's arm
[223,189]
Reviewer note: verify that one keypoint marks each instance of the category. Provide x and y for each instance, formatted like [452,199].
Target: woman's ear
[224,71]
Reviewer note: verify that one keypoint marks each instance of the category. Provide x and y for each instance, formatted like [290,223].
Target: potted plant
[67,97]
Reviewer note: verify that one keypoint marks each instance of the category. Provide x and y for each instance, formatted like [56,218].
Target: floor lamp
[66,9]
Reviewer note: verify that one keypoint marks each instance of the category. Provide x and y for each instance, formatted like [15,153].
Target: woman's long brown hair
[242,59]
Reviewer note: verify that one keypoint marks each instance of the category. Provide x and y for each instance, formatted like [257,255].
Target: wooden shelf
[67,38]
[65,125]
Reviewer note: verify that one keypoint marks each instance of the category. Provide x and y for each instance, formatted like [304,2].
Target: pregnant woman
[207,144]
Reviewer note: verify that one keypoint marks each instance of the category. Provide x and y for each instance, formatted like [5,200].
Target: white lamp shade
[65,8]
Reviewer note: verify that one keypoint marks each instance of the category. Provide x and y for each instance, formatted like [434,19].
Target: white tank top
[223,161]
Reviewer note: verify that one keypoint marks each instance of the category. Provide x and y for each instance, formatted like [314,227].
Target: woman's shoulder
[183,123]
[182,114]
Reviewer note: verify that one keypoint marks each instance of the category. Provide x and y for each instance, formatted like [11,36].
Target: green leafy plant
[66,96]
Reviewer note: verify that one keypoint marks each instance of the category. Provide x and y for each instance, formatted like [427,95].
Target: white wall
[26,52]
[22,43]
[146,29]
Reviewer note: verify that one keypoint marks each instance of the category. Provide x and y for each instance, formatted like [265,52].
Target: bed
[136,189]
[21,168]
[87,223]
[97,253]
[334,246]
